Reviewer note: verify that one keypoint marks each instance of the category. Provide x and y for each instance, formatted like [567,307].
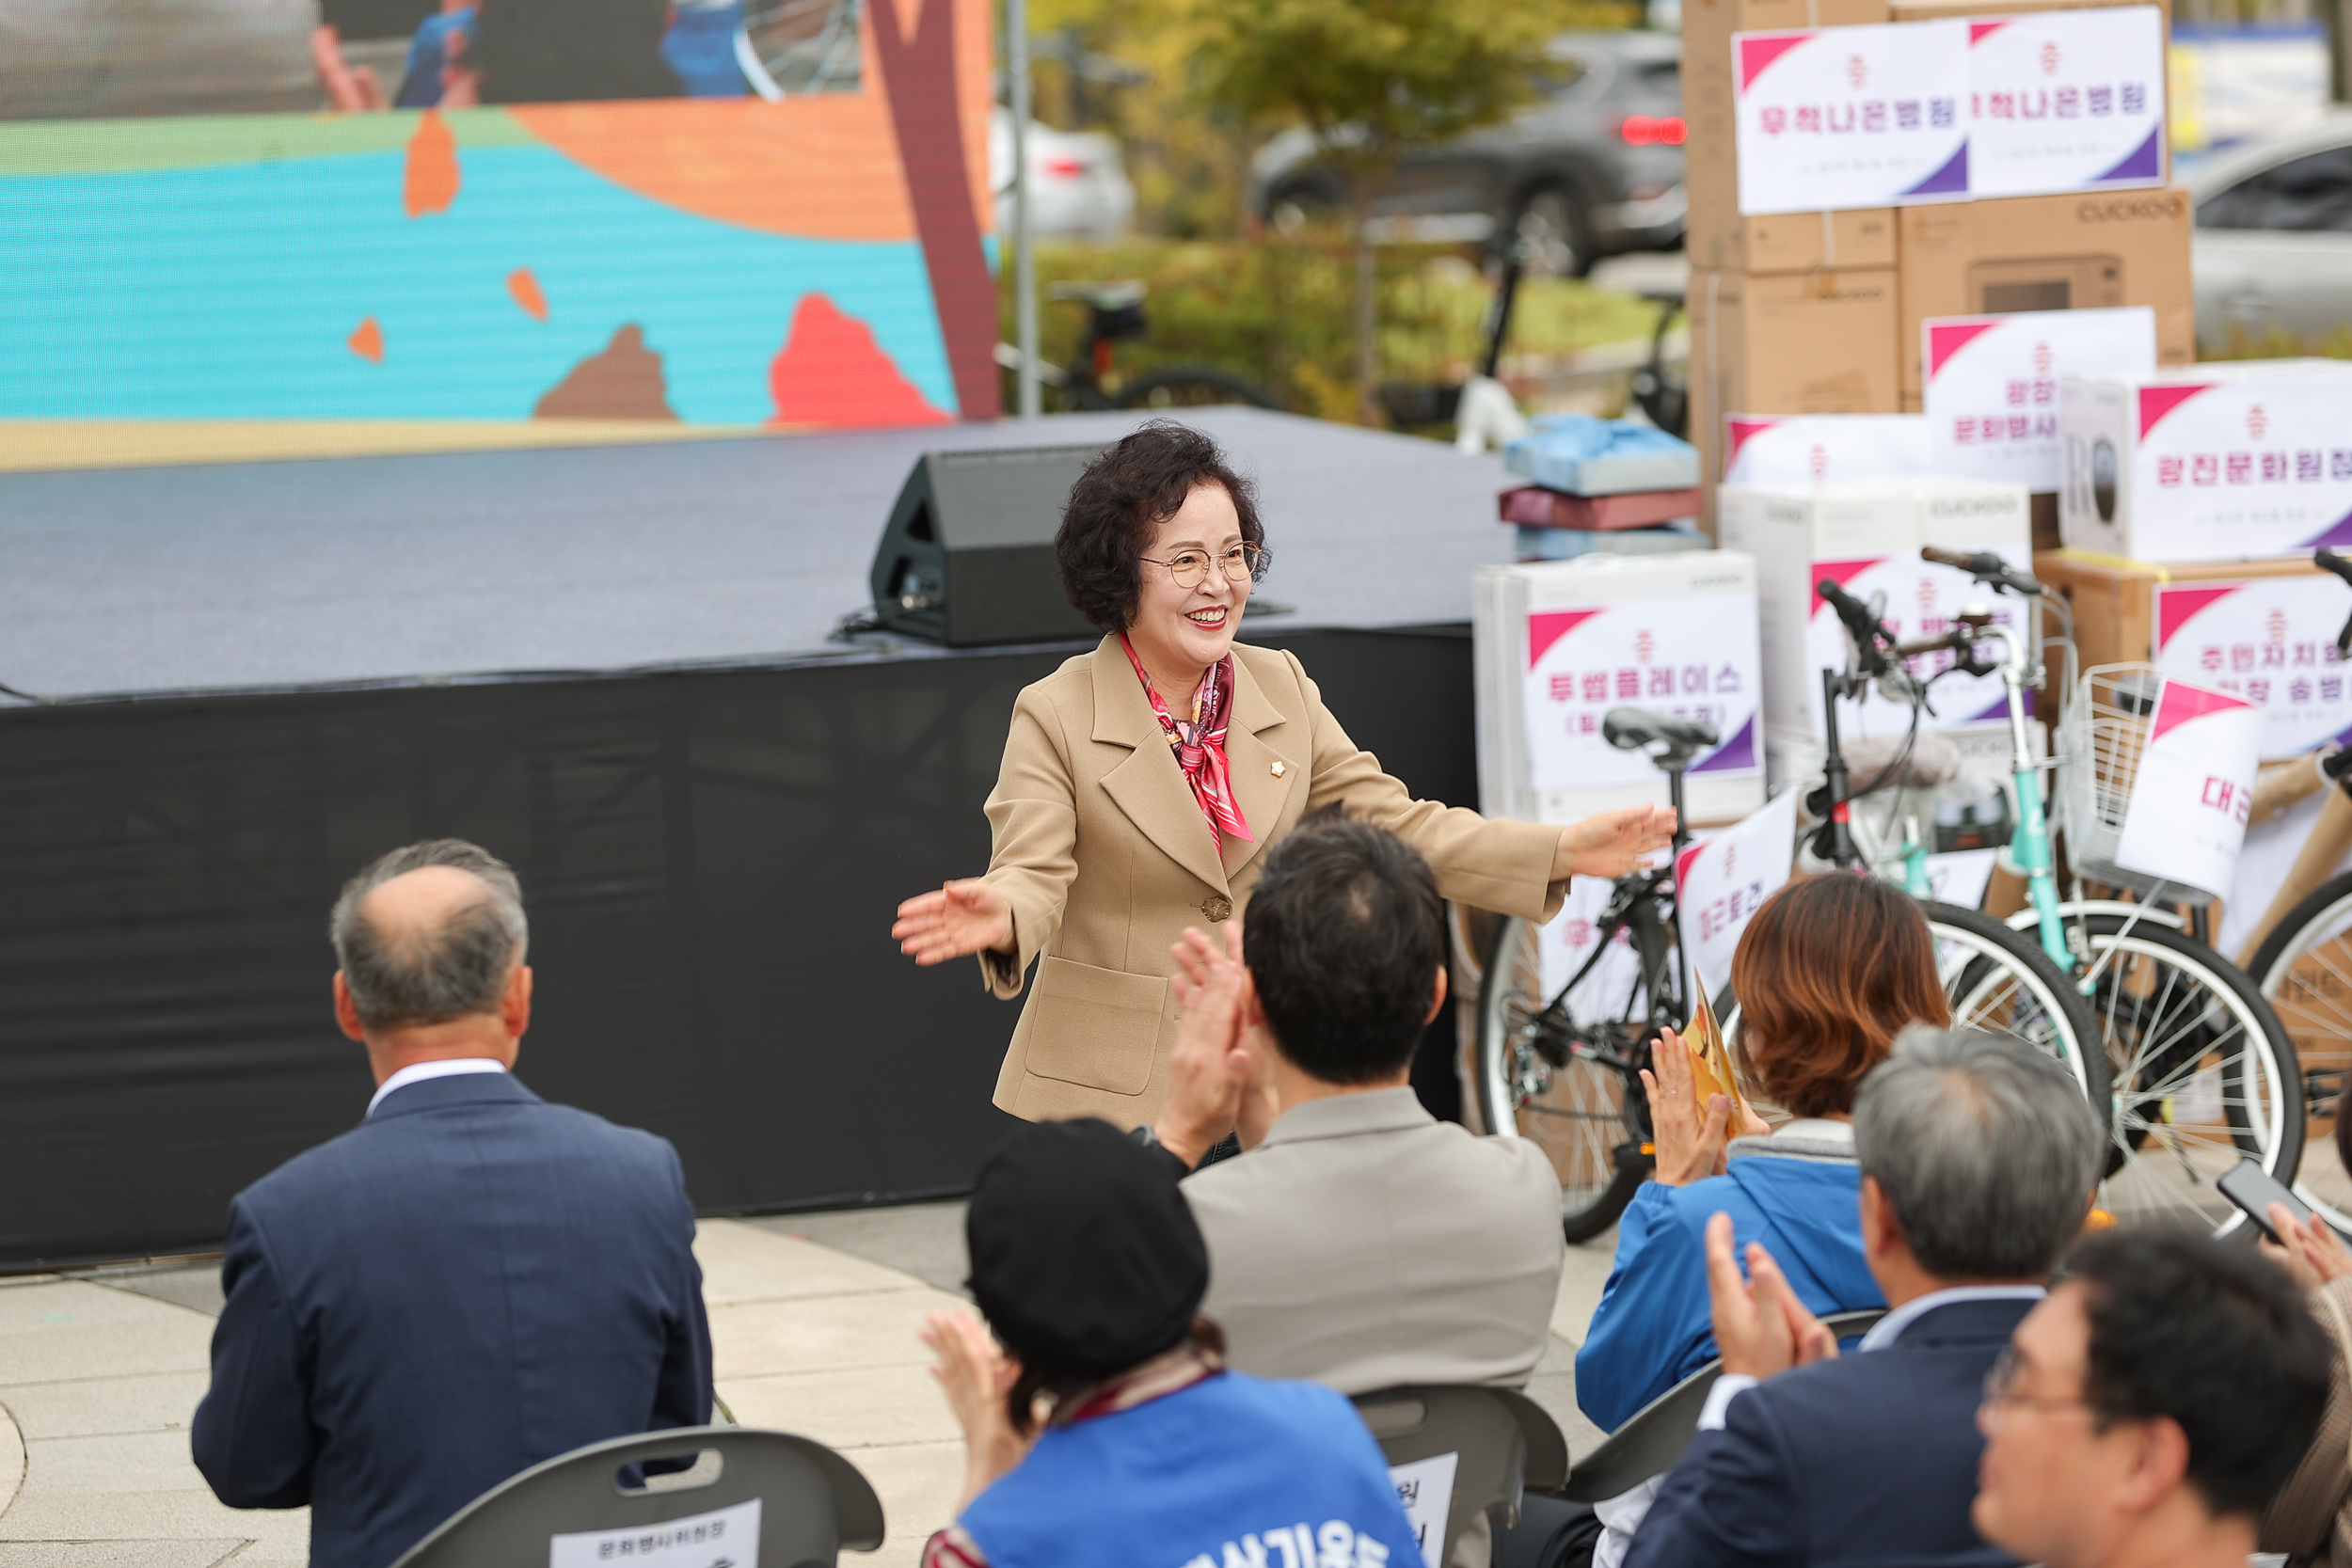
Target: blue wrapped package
[1587,457]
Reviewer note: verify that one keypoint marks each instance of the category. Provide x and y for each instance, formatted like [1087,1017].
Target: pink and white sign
[2269,641]
[1834,117]
[2240,468]
[1824,448]
[1922,600]
[2185,821]
[1720,881]
[1993,384]
[2066,100]
[1693,656]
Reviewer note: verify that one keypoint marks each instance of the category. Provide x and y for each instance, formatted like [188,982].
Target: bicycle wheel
[1192,387]
[1541,1078]
[2205,1074]
[2002,982]
[2304,969]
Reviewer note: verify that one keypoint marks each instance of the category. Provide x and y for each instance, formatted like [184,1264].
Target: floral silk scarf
[1199,746]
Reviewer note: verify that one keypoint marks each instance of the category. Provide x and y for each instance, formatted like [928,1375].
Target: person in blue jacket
[1107,1429]
[1828,972]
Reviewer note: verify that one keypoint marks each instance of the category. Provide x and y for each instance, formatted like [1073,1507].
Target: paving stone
[871,1406]
[119,1554]
[919,1484]
[118,1461]
[11,1460]
[90,1407]
[742,1264]
[66,1303]
[925,1239]
[824,1333]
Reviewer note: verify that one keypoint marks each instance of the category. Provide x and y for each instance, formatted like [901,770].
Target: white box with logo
[2216,462]
[1560,643]
[1866,537]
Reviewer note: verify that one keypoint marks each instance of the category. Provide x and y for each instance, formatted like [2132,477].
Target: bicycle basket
[2100,741]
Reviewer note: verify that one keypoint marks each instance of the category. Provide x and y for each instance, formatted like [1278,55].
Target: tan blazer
[1104,857]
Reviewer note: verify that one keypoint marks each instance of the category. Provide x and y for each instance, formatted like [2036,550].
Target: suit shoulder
[1067,693]
[1277,665]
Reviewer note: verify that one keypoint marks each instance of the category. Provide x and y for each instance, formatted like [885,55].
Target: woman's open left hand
[1613,843]
[1691,1139]
[964,917]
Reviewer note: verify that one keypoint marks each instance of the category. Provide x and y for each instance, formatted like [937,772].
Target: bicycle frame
[2029,845]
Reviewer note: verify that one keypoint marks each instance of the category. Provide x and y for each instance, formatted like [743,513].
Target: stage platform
[613,667]
[278,575]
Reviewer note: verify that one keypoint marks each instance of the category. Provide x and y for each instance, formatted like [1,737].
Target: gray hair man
[1980,1158]
[469,1281]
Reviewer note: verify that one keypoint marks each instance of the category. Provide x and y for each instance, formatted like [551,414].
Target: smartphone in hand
[2254,1190]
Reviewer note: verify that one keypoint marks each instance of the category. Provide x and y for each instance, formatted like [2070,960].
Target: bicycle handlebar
[1860,626]
[2332,562]
[1986,567]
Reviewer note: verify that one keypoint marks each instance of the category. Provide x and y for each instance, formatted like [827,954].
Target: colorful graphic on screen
[712,212]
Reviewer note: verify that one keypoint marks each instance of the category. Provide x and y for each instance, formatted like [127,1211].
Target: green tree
[1372,80]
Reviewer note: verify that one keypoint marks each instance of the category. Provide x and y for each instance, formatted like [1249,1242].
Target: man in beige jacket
[1356,1240]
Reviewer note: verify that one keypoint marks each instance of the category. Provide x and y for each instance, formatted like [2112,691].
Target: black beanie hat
[1084,1256]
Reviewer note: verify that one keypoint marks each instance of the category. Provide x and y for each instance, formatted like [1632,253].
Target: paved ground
[813,1318]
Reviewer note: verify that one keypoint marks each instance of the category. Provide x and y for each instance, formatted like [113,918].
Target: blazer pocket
[1097,1027]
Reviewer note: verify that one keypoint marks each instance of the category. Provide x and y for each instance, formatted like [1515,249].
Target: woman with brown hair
[1828,972]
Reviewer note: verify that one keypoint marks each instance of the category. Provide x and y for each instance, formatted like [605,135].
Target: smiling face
[1179,632]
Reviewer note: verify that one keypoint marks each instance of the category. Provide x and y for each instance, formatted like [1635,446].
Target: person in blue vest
[1107,1428]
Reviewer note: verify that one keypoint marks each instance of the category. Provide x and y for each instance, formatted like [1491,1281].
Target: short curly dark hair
[1137,484]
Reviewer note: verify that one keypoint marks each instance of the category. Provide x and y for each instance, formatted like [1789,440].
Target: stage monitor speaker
[968,556]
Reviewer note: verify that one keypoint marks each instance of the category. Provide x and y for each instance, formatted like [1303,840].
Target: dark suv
[1592,167]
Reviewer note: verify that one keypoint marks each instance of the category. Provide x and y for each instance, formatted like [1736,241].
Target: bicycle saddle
[1103,296]
[1629,729]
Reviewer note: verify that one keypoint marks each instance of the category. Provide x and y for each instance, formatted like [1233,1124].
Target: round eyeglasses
[1242,564]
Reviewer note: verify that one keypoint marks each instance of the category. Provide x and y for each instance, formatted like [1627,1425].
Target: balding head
[428,934]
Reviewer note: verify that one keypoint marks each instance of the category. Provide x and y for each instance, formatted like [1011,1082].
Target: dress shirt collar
[417,1072]
[1890,1328]
[1342,1115]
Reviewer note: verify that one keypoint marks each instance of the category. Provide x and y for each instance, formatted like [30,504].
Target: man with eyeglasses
[1978,1159]
[2146,1411]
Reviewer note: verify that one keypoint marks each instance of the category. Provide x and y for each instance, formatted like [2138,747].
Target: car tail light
[1653,130]
[1069,169]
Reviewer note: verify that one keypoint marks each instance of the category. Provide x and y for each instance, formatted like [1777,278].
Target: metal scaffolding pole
[1024,256]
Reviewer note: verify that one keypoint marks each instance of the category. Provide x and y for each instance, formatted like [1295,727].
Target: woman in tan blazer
[1143,781]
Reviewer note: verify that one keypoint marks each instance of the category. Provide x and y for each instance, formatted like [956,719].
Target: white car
[1079,185]
[2273,247]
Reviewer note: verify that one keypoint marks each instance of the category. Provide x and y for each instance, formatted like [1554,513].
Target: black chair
[811,1501]
[1653,1436]
[1505,1442]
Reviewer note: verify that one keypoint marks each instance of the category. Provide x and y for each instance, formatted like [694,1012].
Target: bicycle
[1572,1086]
[2301,958]
[1115,314]
[2197,1064]
[1996,979]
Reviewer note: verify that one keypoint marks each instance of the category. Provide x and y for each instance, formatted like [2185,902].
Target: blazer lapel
[1261,768]
[1149,786]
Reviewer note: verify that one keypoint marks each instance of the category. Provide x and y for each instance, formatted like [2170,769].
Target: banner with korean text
[2193,789]
[1720,881]
[1895,113]
[1991,384]
[1693,656]
[2268,641]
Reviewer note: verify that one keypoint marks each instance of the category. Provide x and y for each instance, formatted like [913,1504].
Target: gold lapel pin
[1278,769]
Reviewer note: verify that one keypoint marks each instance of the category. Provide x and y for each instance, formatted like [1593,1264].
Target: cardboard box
[1820,342]
[2221,461]
[1557,644]
[1867,536]
[2046,253]
[1533,506]
[1716,237]
[1937,10]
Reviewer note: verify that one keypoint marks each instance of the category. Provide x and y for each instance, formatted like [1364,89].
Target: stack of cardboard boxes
[1819,314]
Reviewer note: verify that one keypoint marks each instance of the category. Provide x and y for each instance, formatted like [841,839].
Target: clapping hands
[1693,1140]
[1761,1329]
[2308,1250]
[1220,1074]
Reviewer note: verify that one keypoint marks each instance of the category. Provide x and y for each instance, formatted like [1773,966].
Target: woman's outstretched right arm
[1009,915]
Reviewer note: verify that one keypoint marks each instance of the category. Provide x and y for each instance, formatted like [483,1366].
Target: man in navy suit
[469,1282]
[1978,1159]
